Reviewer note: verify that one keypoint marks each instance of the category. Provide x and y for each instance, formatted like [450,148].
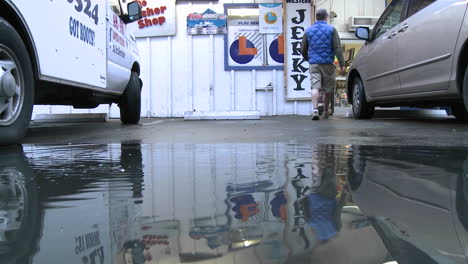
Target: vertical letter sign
[298,18]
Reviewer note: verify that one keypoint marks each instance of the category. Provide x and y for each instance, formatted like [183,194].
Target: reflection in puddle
[231,203]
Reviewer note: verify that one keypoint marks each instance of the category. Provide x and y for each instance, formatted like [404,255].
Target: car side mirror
[363,33]
[134,11]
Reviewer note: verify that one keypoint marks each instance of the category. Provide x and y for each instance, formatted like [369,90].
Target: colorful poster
[245,43]
[271,18]
[297,79]
[275,45]
[159,19]
[206,23]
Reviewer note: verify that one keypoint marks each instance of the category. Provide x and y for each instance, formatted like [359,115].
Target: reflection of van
[73,52]
[409,196]
[49,210]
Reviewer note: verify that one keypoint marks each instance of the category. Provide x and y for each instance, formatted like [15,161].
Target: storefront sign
[297,79]
[271,18]
[275,44]
[159,19]
[245,42]
[206,23]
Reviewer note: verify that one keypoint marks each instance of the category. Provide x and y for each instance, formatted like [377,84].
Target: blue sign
[242,51]
[276,50]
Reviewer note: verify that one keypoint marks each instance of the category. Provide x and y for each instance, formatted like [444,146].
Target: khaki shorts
[323,77]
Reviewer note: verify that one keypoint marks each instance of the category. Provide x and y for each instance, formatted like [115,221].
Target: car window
[389,19]
[416,5]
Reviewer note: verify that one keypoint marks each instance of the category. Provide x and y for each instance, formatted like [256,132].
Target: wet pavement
[286,129]
[268,202]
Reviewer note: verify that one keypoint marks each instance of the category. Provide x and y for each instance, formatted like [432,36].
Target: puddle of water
[233,203]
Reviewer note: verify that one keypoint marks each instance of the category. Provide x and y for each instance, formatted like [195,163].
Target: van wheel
[459,111]
[16,86]
[130,101]
[361,108]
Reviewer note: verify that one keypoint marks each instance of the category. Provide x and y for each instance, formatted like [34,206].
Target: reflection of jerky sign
[296,37]
[82,32]
[151,12]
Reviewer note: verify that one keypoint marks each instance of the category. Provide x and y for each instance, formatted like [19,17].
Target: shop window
[417,5]
[246,47]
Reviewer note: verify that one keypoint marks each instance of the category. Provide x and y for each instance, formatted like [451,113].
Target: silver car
[416,55]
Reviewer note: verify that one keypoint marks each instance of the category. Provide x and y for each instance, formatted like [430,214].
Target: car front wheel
[130,101]
[361,108]
[16,86]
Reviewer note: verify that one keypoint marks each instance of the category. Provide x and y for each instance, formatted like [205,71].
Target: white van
[67,52]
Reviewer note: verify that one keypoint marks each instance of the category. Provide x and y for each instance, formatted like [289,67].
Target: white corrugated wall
[179,72]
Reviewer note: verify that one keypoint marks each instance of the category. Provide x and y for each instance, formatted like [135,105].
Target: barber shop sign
[158,19]
[298,16]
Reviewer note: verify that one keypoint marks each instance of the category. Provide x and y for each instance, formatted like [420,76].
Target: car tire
[459,111]
[21,242]
[16,104]
[465,89]
[130,101]
[361,108]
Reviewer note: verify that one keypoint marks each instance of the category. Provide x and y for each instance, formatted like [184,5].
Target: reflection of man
[319,46]
[134,252]
[324,210]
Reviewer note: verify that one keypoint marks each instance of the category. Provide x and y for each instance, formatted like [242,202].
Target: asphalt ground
[397,130]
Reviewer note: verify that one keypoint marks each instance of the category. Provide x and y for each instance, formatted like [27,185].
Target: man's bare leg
[315,99]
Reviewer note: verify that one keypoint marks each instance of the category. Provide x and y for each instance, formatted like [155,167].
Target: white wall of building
[179,71]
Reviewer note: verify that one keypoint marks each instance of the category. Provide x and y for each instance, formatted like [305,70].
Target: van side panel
[462,39]
[70,39]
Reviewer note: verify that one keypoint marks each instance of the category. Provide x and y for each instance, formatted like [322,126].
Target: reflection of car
[20,213]
[415,199]
[416,55]
[34,181]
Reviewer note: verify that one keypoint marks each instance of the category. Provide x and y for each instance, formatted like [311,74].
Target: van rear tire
[16,103]
[130,101]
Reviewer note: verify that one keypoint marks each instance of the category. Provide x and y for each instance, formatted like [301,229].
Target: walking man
[320,45]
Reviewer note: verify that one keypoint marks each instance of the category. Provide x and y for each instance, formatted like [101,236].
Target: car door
[119,58]
[382,80]
[426,42]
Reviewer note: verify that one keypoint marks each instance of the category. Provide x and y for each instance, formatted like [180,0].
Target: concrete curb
[222,115]
[70,118]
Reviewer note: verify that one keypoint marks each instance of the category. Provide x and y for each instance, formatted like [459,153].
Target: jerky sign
[298,18]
